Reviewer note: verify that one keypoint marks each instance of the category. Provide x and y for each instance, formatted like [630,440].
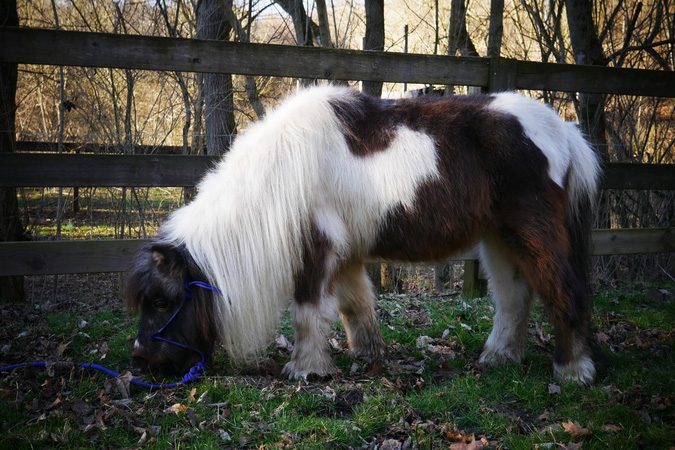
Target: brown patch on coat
[310,279]
[369,123]
[494,180]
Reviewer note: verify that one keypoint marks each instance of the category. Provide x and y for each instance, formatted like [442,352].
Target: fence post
[502,78]
[475,284]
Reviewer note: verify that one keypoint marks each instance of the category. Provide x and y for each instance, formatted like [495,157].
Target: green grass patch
[430,393]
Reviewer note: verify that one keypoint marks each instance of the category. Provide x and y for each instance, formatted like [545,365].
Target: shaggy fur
[333,176]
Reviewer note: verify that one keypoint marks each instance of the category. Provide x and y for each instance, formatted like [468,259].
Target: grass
[430,393]
[100,215]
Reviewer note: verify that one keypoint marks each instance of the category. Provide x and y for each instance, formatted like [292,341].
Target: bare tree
[244,36]
[218,90]
[305,28]
[324,27]
[496,28]
[459,40]
[588,50]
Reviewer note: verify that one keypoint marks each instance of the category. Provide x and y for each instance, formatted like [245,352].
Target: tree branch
[249,81]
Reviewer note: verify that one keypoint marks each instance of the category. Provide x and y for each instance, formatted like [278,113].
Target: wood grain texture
[72,48]
[57,257]
[53,170]
[638,176]
[114,255]
[45,170]
[594,79]
[633,241]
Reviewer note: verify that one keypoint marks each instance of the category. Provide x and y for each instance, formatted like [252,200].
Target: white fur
[358,192]
[513,299]
[245,228]
[581,370]
[311,354]
[561,142]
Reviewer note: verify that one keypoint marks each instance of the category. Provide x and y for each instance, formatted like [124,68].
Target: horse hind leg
[356,302]
[513,298]
[545,260]
[572,325]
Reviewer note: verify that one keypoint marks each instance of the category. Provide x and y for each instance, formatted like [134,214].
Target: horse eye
[160,304]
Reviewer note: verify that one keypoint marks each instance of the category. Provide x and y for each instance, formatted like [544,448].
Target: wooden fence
[39,46]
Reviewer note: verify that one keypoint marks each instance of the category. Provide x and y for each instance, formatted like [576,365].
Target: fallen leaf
[204,398]
[470,444]
[466,327]
[80,407]
[224,435]
[389,385]
[575,430]
[391,444]
[176,408]
[283,343]
[602,337]
[374,369]
[192,419]
[143,439]
[423,342]
[554,389]
[611,428]
[61,348]
[191,395]
[544,416]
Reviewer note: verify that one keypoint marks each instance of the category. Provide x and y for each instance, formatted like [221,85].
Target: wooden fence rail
[88,170]
[42,46]
[72,48]
[82,170]
[114,255]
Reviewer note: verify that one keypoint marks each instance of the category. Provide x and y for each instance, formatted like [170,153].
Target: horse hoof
[582,371]
[292,371]
[498,358]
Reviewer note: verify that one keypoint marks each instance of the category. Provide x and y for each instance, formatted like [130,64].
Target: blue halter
[195,372]
[198,369]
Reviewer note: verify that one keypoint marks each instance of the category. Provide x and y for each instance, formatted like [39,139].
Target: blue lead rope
[193,374]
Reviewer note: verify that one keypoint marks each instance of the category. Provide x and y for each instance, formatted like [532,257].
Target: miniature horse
[333,176]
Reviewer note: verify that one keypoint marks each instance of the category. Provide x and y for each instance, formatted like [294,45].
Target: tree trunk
[459,40]
[220,126]
[374,39]
[496,28]
[303,26]
[444,276]
[588,50]
[11,229]
[324,27]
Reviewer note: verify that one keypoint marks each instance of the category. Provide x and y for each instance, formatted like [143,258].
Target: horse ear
[159,258]
[166,258]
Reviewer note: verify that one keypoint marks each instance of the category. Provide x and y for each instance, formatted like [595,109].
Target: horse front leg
[311,353]
[313,311]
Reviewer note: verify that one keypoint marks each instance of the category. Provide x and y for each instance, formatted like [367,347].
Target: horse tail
[582,187]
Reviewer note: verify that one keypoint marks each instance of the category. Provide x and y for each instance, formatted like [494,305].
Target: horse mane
[247,227]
